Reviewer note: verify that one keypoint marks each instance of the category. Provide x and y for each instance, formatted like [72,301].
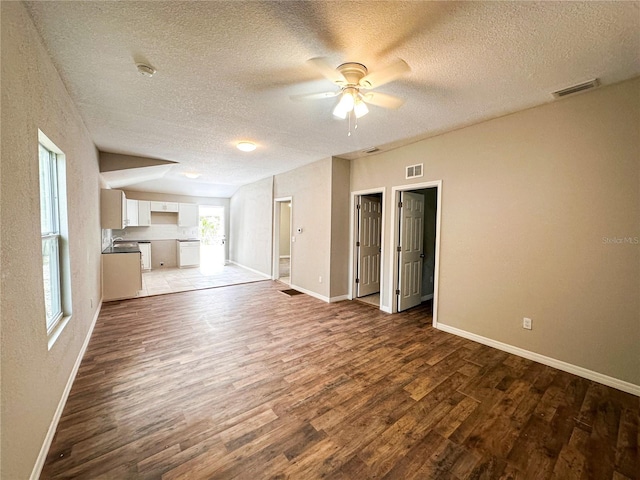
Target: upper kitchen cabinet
[132,213]
[144,213]
[188,215]
[164,206]
[113,209]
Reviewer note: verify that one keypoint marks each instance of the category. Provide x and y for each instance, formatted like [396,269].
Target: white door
[369,238]
[410,252]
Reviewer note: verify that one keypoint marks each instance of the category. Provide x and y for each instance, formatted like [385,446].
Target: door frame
[275,254]
[353,256]
[395,235]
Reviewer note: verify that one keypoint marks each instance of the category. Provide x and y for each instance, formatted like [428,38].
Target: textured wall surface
[310,187]
[33,377]
[340,181]
[533,204]
[250,234]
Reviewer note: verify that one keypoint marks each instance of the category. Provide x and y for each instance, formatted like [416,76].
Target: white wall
[529,201]
[251,226]
[33,377]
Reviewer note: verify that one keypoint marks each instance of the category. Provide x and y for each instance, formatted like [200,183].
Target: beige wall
[33,377]
[320,207]
[310,188]
[340,205]
[528,203]
[251,226]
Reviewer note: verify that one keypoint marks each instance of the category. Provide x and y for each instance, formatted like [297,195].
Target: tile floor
[171,280]
[373,299]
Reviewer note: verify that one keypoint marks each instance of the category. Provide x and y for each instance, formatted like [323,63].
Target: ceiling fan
[355,81]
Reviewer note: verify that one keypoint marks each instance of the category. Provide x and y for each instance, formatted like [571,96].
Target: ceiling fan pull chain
[349,116]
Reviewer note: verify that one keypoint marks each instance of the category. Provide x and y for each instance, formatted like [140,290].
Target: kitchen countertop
[116,249]
[188,240]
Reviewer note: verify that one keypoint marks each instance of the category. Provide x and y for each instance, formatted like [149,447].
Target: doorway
[416,222]
[282,248]
[212,237]
[368,247]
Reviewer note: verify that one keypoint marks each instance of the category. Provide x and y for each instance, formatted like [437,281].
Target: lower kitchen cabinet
[145,251]
[121,275]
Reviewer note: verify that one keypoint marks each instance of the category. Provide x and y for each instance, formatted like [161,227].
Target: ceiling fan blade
[383,100]
[314,96]
[326,70]
[386,75]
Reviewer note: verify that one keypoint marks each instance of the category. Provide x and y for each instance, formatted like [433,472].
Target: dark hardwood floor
[245,382]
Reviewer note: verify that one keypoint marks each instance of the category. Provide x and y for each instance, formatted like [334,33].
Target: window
[52,227]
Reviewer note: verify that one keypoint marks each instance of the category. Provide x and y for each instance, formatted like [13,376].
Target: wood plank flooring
[244,382]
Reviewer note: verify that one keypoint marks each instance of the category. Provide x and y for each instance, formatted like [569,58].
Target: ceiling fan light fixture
[360,108]
[246,146]
[346,103]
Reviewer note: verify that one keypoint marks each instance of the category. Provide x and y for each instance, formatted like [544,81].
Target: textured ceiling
[226,69]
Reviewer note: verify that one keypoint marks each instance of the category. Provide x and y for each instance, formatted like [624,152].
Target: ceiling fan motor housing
[353,72]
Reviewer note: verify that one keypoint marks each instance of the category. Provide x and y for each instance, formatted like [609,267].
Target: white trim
[285,256]
[552,362]
[352,239]
[339,298]
[426,297]
[275,241]
[311,293]
[386,309]
[394,241]
[44,451]
[265,275]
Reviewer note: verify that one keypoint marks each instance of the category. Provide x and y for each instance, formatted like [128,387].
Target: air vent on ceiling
[414,171]
[371,150]
[581,87]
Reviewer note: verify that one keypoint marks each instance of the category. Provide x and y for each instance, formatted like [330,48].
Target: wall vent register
[414,171]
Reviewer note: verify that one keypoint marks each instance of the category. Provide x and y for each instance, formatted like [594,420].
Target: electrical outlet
[526,323]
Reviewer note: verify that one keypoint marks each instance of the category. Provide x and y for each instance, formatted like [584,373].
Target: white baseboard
[265,275]
[44,451]
[426,297]
[310,293]
[339,298]
[552,362]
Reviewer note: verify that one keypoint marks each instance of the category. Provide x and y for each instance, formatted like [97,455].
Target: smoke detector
[145,70]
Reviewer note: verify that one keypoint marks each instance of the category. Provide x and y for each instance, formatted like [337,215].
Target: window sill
[57,330]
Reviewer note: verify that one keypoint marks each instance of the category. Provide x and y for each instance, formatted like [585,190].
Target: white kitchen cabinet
[188,253]
[113,209]
[188,215]
[145,251]
[132,213]
[164,206]
[144,213]
[121,275]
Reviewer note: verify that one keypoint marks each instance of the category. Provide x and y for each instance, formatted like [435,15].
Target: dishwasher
[188,253]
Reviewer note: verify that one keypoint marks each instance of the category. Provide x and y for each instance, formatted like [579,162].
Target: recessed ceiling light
[246,146]
[145,70]
[192,175]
